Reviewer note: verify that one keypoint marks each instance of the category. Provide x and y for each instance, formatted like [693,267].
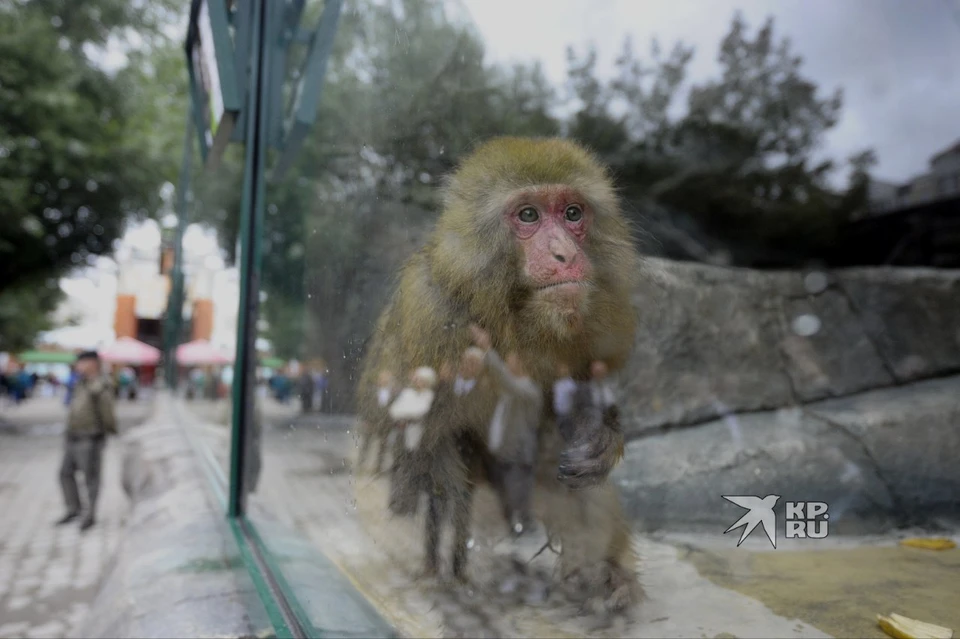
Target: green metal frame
[306,97]
[251,224]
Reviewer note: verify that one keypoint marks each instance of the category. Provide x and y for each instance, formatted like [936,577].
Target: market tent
[46,357]
[127,350]
[199,352]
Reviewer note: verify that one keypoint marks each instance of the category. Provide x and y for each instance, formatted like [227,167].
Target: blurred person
[320,384]
[379,427]
[438,496]
[306,390]
[197,382]
[90,420]
[602,398]
[70,384]
[471,364]
[513,430]
[564,392]
[126,379]
[21,384]
[408,411]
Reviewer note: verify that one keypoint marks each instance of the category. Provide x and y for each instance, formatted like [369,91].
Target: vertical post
[174,319]
[251,225]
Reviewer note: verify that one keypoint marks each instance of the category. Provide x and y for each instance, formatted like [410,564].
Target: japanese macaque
[532,247]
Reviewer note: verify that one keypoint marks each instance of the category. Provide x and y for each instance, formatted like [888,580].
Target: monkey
[530,245]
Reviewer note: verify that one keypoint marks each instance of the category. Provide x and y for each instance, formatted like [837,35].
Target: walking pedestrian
[91,419]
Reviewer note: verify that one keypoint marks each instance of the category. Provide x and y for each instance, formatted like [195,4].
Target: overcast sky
[898,61]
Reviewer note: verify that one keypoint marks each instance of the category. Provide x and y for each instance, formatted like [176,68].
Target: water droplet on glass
[815,282]
[806,325]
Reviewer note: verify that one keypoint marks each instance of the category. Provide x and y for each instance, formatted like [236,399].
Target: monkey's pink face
[550,224]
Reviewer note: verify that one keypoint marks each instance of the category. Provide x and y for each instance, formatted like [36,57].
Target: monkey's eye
[528,215]
[574,213]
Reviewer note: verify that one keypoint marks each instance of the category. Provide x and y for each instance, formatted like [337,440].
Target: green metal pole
[251,225]
[174,319]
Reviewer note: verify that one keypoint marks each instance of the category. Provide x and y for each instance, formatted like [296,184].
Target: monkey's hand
[591,457]
[480,337]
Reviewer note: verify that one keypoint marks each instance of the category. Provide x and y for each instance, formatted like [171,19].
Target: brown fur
[468,272]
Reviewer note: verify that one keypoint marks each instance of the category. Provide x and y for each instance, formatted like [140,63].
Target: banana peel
[929,543]
[900,627]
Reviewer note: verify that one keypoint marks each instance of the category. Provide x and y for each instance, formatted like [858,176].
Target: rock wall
[715,340]
[834,386]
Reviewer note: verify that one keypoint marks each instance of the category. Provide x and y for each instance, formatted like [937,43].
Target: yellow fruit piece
[929,543]
[900,627]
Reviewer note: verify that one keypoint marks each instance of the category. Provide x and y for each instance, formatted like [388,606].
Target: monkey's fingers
[591,458]
[583,467]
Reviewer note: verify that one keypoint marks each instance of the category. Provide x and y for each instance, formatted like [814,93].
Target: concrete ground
[49,575]
[698,584]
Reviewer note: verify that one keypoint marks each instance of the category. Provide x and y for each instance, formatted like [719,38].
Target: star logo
[760,513]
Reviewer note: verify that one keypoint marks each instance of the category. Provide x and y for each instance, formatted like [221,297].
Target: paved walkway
[49,574]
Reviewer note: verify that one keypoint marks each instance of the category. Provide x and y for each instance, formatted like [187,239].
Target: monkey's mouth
[566,285]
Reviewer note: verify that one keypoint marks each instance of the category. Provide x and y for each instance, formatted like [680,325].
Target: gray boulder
[812,386]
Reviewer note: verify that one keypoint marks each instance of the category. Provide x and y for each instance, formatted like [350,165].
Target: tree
[733,179]
[73,165]
[25,311]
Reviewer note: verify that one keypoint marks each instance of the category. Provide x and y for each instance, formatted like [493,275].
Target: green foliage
[25,311]
[74,164]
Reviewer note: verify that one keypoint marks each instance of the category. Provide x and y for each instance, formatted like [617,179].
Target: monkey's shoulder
[424,304]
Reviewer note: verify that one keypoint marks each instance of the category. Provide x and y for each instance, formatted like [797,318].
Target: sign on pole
[213,77]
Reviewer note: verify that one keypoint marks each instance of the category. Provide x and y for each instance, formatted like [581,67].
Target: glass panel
[614,417]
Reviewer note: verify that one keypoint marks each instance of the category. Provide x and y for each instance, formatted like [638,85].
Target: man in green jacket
[90,420]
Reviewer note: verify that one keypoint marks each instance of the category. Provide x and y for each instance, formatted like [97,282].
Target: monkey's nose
[563,250]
